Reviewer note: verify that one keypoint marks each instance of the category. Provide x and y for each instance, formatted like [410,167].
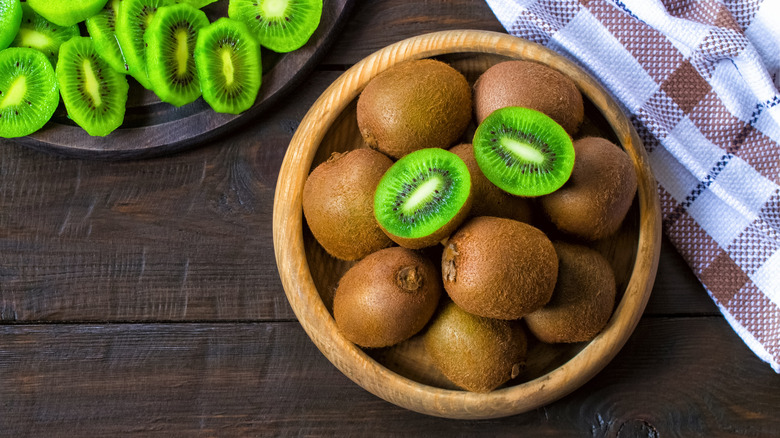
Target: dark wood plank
[268,379]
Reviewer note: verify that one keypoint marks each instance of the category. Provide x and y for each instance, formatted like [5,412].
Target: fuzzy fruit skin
[531,85]
[594,201]
[499,268]
[338,203]
[476,353]
[583,298]
[386,298]
[416,104]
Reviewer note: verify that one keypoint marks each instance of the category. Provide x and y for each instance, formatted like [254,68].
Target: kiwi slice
[102,30]
[28,91]
[423,197]
[280,25]
[228,61]
[523,151]
[197,4]
[39,33]
[10,19]
[67,12]
[94,94]
[132,21]
[170,44]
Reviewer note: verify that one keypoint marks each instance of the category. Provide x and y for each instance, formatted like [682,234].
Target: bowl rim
[357,365]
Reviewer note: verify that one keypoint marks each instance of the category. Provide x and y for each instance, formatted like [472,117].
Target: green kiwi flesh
[476,353]
[386,298]
[170,45]
[38,33]
[133,19]
[10,20]
[228,61]
[197,4]
[523,151]
[338,203]
[280,25]
[102,30]
[94,94]
[29,92]
[423,197]
[67,12]
[582,301]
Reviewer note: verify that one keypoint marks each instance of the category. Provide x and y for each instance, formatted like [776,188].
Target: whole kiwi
[499,268]
[476,353]
[531,85]
[488,199]
[583,298]
[338,203]
[413,105]
[594,201]
[386,298]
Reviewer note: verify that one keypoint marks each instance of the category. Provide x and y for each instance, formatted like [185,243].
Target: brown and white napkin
[700,80]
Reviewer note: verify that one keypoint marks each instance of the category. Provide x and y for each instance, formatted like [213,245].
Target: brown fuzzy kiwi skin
[439,235]
[476,353]
[594,201]
[414,105]
[386,298]
[582,301]
[489,200]
[338,203]
[499,268]
[531,85]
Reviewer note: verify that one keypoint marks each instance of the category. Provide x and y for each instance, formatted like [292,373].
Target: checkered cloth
[700,81]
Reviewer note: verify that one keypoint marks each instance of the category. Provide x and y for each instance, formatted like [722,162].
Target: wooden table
[142,298]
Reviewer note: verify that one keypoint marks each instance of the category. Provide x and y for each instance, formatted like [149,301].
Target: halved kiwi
[28,91]
[39,33]
[94,94]
[423,197]
[67,12]
[228,61]
[102,30]
[280,25]
[132,21]
[523,151]
[10,19]
[170,44]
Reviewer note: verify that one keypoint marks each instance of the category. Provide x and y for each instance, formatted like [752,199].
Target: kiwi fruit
[523,152]
[170,45]
[413,105]
[386,298]
[476,353]
[133,18]
[94,94]
[499,268]
[338,203]
[280,25]
[10,20]
[29,92]
[38,33]
[102,30]
[66,12]
[531,85]
[228,61]
[595,200]
[489,200]
[583,298]
[423,197]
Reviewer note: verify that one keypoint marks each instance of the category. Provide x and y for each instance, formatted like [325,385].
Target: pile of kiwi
[471,217]
[167,46]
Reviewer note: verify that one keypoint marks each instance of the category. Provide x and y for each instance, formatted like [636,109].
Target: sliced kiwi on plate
[67,12]
[170,45]
[10,19]
[280,25]
[102,30]
[423,197]
[132,21]
[523,151]
[41,34]
[28,91]
[228,61]
[94,94]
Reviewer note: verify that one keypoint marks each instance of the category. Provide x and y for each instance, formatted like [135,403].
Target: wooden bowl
[404,375]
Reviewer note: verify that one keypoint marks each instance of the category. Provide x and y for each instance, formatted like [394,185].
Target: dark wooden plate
[153,128]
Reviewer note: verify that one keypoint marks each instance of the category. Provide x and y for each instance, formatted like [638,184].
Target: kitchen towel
[699,79]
